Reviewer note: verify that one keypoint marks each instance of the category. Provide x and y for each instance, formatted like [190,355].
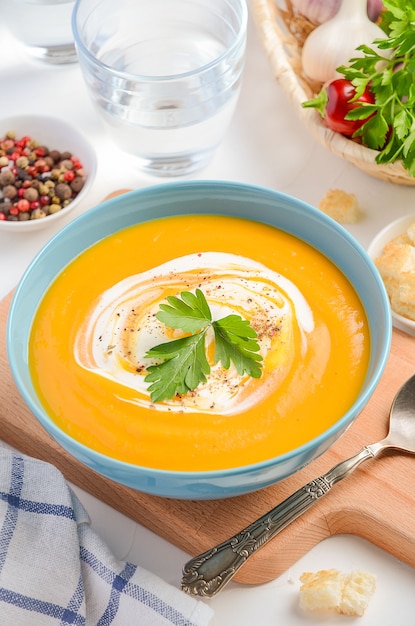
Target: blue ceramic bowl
[210,197]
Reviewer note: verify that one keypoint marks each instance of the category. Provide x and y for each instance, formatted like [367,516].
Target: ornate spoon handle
[207,573]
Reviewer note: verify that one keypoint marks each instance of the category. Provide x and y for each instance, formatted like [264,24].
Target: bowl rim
[86,148]
[222,187]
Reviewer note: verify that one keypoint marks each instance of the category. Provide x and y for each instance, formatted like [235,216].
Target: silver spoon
[207,573]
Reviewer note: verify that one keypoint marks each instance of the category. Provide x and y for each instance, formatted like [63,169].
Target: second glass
[164,74]
[42,27]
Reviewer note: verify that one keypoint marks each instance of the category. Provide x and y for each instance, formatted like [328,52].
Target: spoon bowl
[401,434]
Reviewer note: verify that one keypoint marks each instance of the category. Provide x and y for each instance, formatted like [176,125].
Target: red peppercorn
[13,210]
[3,216]
[42,166]
[23,204]
[34,205]
[20,192]
[76,163]
[44,200]
[32,170]
[40,152]
[69,175]
[15,155]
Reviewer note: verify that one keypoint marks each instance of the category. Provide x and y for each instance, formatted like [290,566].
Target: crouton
[341,206]
[332,590]
[396,265]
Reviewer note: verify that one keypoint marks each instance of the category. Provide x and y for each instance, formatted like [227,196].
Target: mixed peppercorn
[35,181]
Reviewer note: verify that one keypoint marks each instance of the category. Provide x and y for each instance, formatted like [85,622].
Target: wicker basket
[283,34]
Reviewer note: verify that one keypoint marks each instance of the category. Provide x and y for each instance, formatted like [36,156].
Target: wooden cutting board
[377,502]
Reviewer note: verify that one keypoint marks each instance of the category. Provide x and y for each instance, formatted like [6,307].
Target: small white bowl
[389,232]
[56,134]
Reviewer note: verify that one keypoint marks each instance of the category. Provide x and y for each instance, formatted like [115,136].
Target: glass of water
[165,75]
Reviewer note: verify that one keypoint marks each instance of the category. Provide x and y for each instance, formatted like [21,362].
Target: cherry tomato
[339,95]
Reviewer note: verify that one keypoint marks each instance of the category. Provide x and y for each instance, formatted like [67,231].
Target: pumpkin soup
[98,320]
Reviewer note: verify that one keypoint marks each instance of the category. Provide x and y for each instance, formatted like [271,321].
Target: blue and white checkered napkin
[55,570]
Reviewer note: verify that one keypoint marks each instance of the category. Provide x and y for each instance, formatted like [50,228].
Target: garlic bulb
[319,11]
[334,43]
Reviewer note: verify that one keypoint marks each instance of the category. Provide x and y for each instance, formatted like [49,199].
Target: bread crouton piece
[403,238]
[396,260]
[358,588]
[396,265]
[410,233]
[403,298]
[341,206]
[331,590]
[320,590]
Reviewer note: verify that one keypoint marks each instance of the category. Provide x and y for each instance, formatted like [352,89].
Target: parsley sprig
[391,78]
[183,362]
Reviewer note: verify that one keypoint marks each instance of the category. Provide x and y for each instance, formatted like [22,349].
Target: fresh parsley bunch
[183,362]
[391,79]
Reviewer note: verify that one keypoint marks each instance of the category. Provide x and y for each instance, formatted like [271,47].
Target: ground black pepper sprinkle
[35,181]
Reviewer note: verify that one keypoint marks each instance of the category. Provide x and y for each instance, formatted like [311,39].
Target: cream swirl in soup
[122,326]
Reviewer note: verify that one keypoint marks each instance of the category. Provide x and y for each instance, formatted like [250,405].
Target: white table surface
[265,145]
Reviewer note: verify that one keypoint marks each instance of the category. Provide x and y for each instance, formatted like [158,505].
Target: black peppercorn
[63,191]
[77,183]
[7,177]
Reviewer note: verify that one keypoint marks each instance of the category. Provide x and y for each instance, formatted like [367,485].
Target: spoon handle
[207,573]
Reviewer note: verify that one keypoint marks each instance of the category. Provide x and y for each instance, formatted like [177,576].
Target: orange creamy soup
[98,319]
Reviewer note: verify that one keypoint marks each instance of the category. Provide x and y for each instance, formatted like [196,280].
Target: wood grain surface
[377,502]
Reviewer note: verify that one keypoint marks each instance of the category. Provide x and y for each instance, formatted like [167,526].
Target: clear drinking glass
[43,27]
[165,75]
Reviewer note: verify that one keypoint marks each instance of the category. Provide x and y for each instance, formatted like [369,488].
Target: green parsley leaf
[236,341]
[376,129]
[191,313]
[183,362]
[184,366]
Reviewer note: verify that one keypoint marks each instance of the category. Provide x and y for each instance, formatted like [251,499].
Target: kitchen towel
[55,569]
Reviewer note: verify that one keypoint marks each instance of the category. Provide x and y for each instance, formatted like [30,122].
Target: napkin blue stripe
[120,584]
[14,499]
[43,508]
[16,484]
[44,608]
[75,603]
